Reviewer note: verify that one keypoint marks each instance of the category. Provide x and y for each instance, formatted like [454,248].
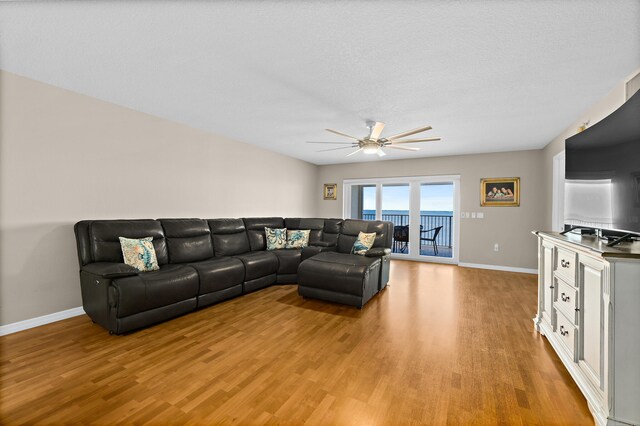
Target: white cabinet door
[591,318]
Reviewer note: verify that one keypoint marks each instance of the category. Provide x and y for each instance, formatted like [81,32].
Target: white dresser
[589,310]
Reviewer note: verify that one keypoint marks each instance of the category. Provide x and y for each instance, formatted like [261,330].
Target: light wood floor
[442,345]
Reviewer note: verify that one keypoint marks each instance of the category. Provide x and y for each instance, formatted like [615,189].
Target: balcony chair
[432,239]
[400,238]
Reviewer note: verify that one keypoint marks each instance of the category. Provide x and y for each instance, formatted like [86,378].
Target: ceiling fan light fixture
[373,143]
[370,148]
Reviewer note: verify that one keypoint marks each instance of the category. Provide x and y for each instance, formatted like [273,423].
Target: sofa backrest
[188,240]
[83,242]
[352,227]
[255,230]
[98,240]
[229,236]
[316,226]
[331,231]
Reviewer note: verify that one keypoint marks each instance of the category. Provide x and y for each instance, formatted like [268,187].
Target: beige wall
[66,157]
[595,113]
[508,226]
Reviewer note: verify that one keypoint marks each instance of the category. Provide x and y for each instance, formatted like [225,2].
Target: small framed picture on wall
[330,191]
[500,192]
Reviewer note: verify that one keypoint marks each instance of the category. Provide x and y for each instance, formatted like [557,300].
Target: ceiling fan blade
[404,148]
[415,140]
[354,152]
[376,130]
[335,143]
[409,133]
[333,149]
[342,134]
[381,153]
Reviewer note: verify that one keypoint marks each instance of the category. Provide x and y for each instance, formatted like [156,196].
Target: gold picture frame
[330,191]
[500,192]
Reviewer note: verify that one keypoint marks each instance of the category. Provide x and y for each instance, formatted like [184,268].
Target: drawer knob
[564,297]
[563,331]
[565,263]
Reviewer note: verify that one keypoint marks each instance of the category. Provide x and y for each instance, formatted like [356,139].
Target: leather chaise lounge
[341,277]
[203,262]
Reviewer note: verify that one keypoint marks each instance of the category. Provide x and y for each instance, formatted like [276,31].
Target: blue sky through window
[433,197]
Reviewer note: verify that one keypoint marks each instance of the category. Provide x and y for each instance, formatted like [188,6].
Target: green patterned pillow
[298,239]
[139,253]
[276,238]
[363,243]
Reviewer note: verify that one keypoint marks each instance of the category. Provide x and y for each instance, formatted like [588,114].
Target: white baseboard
[499,268]
[38,321]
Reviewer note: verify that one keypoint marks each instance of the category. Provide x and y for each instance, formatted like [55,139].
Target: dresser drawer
[566,332]
[566,265]
[567,300]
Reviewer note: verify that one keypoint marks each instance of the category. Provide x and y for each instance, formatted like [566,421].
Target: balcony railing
[427,221]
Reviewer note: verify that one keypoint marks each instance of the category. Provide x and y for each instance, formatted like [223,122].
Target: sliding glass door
[363,202]
[396,206]
[436,219]
[423,210]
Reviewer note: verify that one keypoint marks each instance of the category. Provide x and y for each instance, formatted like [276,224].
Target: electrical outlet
[480,215]
[496,247]
[473,215]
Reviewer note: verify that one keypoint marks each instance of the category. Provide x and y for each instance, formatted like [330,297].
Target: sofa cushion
[258,264]
[188,240]
[337,272]
[288,260]
[139,253]
[149,290]
[105,243]
[363,243]
[276,238]
[219,273]
[297,239]
[229,236]
[255,230]
[315,226]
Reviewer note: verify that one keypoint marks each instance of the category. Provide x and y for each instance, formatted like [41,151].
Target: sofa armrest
[378,252]
[110,269]
[323,244]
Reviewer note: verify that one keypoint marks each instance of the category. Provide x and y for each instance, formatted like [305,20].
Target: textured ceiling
[487,75]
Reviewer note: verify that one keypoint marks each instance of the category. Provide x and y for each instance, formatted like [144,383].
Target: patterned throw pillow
[276,238]
[139,253]
[298,239]
[363,243]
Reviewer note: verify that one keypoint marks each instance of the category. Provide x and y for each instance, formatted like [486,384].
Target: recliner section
[260,266]
[189,242]
[202,262]
[341,277]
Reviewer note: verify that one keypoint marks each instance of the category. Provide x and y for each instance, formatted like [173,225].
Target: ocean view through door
[422,209]
[436,219]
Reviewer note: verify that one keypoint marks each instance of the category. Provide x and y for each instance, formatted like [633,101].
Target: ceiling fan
[373,143]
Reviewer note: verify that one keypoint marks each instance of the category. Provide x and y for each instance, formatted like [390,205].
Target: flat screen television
[602,173]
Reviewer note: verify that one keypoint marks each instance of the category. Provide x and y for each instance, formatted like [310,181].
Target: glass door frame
[414,211]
